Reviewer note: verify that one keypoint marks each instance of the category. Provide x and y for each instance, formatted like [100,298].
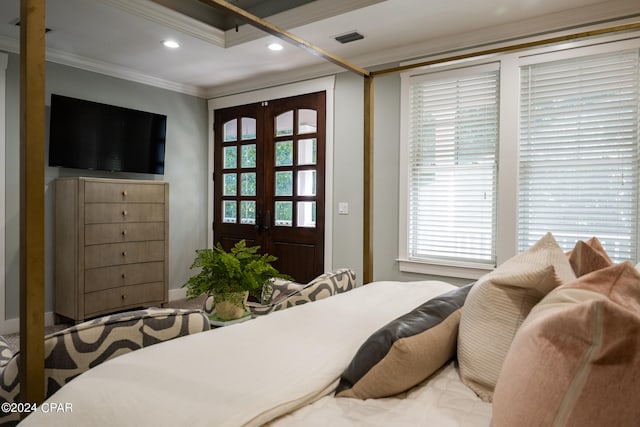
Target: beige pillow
[407,350]
[588,256]
[576,359]
[410,361]
[498,304]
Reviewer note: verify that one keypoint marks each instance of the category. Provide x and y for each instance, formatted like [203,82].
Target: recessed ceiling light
[172,44]
[275,46]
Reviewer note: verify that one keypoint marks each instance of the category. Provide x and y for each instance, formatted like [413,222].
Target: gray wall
[185,167]
[347,172]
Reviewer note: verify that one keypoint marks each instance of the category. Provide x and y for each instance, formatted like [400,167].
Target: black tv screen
[90,135]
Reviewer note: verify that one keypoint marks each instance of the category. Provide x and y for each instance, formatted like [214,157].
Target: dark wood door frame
[298,237]
[325,84]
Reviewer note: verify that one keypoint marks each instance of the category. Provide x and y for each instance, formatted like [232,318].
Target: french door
[269,165]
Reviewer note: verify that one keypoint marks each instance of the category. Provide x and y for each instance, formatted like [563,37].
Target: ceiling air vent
[349,37]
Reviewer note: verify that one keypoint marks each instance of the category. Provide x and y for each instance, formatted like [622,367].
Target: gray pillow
[407,350]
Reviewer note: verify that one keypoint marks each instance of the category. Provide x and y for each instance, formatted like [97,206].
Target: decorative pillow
[323,286]
[576,359]
[588,256]
[5,352]
[499,303]
[276,290]
[406,351]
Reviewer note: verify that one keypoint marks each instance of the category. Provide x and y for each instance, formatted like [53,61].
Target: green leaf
[242,268]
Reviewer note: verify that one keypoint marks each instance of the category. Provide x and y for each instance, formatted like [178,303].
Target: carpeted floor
[14,339]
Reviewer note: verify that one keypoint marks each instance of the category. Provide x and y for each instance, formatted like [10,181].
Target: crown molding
[96,66]
[167,17]
[101,67]
[10,45]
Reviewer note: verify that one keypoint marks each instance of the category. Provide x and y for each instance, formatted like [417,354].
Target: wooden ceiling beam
[282,34]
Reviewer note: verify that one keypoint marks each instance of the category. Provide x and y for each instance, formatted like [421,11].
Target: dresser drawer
[109,192]
[96,213]
[123,253]
[99,279]
[111,246]
[123,297]
[95,234]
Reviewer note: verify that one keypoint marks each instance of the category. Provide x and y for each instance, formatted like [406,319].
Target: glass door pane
[306,214]
[307,183]
[230,131]
[284,124]
[284,153]
[248,128]
[307,152]
[230,157]
[307,121]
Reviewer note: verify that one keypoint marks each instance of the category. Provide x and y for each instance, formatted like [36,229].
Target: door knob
[267,220]
[258,225]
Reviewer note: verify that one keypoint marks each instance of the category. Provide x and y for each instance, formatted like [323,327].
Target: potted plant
[230,277]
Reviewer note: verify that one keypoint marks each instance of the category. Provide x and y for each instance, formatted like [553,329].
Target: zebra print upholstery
[70,352]
[288,294]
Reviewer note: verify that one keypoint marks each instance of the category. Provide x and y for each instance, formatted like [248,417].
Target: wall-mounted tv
[90,135]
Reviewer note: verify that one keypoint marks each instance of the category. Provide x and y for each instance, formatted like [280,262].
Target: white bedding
[243,375]
[441,401]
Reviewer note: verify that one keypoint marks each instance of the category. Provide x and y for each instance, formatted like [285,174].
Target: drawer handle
[124,276]
[124,233]
[123,297]
[124,193]
[124,213]
[124,253]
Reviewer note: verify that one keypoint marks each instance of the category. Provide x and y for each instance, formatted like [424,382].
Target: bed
[544,339]
[251,373]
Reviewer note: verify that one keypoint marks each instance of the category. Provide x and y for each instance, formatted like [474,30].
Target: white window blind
[579,152]
[452,134]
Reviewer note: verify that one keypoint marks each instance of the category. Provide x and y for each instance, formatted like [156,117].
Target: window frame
[508,146]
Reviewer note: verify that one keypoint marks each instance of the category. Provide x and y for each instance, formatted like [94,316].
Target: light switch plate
[343,208]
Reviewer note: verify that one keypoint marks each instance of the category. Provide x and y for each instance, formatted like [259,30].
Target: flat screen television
[90,135]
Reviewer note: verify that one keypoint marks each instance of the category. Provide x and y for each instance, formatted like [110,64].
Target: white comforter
[441,401]
[243,375]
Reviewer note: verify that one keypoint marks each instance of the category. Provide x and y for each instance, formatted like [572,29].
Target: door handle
[258,224]
[267,220]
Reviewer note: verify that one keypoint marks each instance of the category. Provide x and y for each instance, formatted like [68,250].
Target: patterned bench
[70,352]
[281,294]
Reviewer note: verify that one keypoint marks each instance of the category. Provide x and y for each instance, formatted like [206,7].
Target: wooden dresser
[112,244]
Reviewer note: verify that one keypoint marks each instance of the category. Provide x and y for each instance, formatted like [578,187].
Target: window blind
[578,168]
[452,132]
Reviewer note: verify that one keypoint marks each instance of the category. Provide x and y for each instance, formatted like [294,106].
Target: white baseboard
[12,326]
[176,294]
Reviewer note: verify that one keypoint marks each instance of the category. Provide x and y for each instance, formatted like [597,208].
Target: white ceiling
[123,37]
